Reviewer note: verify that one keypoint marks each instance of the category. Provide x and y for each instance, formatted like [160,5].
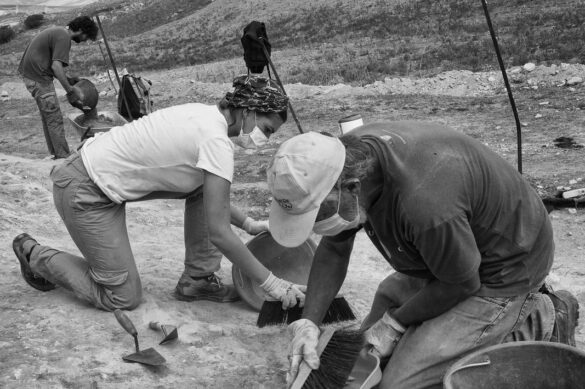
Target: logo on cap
[284,203]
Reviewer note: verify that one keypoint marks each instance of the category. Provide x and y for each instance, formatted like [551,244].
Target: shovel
[170,332]
[147,357]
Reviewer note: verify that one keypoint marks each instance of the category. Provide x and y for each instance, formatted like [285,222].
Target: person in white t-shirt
[184,152]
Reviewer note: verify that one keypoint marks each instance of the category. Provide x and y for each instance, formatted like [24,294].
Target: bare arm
[327,275]
[216,199]
[237,217]
[59,73]
[435,299]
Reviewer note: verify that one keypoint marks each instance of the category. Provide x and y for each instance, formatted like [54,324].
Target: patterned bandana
[257,93]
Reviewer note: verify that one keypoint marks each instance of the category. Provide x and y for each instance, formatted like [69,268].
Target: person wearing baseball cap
[470,241]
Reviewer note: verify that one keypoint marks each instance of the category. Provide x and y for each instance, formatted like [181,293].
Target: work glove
[303,347]
[384,335]
[75,97]
[254,227]
[287,292]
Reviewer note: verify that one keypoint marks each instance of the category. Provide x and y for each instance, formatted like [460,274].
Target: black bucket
[291,264]
[519,365]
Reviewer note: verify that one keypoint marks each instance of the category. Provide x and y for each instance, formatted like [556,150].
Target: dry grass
[332,41]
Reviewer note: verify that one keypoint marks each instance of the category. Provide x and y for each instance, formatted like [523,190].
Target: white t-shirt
[164,151]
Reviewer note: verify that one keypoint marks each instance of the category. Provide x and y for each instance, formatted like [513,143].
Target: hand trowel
[147,357]
[169,331]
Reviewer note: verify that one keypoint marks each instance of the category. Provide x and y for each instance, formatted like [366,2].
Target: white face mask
[335,224]
[253,139]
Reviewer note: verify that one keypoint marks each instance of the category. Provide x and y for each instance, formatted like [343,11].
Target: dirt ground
[51,340]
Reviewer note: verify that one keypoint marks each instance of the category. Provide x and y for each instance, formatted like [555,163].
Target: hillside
[326,42]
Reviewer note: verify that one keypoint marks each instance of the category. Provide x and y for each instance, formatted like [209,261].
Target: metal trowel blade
[147,357]
[170,333]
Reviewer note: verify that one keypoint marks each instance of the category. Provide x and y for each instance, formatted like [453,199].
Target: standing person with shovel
[182,152]
[46,58]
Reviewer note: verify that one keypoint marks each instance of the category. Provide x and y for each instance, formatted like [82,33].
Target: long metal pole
[107,69]
[292,111]
[113,66]
[505,77]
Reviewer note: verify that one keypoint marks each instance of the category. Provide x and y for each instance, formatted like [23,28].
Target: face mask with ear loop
[335,224]
[253,139]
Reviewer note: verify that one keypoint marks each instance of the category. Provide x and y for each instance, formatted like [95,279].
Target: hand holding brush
[303,347]
[285,291]
[322,361]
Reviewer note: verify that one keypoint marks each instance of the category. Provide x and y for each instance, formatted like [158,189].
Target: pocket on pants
[48,102]
[109,278]
[89,196]
[59,177]
[61,181]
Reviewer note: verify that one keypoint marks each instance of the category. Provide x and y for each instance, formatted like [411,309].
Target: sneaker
[566,315]
[209,288]
[32,279]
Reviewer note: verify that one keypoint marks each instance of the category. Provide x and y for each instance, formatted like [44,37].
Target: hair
[85,25]
[358,158]
[224,104]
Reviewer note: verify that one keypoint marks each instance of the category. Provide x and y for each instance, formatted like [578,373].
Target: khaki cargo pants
[46,98]
[106,276]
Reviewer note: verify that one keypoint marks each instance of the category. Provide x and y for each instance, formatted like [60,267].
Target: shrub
[6,34]
[34,21]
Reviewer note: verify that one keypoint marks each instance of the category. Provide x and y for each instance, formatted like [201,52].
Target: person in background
[181,152]
[46,58]
[469,239]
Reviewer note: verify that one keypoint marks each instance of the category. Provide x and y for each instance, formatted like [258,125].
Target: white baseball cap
[301,174]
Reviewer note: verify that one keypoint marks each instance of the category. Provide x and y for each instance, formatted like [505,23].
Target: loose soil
[51,340]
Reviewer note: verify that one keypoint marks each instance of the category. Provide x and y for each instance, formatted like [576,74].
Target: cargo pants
[51,117]
[426,351]
[106,276]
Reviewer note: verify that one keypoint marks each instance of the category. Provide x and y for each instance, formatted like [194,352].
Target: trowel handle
[155,325]
[125,322]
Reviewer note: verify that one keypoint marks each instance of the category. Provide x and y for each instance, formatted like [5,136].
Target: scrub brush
[272,313]
[338,351]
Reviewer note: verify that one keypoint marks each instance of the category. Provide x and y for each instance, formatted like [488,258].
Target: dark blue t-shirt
[51,44]
[449,207]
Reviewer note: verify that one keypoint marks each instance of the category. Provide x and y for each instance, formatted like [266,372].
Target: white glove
[254,227]
[384,335]
[284,291]
[303,347]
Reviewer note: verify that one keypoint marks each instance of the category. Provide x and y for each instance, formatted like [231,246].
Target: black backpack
[253,51]
[134,97]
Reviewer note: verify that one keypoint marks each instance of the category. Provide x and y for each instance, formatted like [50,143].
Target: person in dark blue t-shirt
[46,58]
[470,242]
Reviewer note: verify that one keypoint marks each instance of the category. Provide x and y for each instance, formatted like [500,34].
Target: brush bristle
[339,310]
[272,313]
[337,360]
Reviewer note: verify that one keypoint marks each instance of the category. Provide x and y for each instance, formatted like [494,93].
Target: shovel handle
[125,322]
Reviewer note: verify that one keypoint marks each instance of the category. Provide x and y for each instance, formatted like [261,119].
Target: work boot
[566,315]
[32,279]
[205,288]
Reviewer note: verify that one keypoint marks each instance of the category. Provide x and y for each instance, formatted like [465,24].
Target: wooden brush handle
[304,369]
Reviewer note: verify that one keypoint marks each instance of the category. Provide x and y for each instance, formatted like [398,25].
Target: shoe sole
[210,297]
[43,285]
